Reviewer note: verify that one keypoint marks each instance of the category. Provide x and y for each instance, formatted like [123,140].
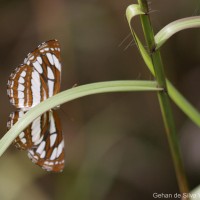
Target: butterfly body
[37,79]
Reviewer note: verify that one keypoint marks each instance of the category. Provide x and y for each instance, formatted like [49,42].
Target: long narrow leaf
[69,95]
[164,34]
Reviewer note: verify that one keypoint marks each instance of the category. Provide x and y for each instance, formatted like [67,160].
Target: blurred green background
[116,147]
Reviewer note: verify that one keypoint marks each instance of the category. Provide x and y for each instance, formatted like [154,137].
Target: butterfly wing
[38,78]
[32,82]
[33,134]
[49,154]
[26,88]
[46,60]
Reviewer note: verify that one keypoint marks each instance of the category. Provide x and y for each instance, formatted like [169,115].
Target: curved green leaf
[69,95]
[131,12]
[164,34]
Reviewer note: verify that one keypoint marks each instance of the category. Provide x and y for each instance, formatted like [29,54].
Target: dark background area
[116,147]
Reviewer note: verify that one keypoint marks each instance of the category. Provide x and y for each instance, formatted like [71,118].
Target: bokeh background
[116,147]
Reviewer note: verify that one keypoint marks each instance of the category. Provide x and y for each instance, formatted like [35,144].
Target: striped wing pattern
[33,134]
[49,153]
[38,78]
[32,82]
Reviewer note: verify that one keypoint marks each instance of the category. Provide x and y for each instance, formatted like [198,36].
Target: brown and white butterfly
[37,79]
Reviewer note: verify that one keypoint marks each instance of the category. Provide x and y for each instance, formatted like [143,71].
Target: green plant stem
[135,10]
[164,99]
[69,95]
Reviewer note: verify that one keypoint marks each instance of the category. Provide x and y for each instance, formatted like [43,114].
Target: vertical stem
[164,99]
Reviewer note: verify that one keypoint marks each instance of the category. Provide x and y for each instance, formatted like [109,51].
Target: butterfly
[37,79]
